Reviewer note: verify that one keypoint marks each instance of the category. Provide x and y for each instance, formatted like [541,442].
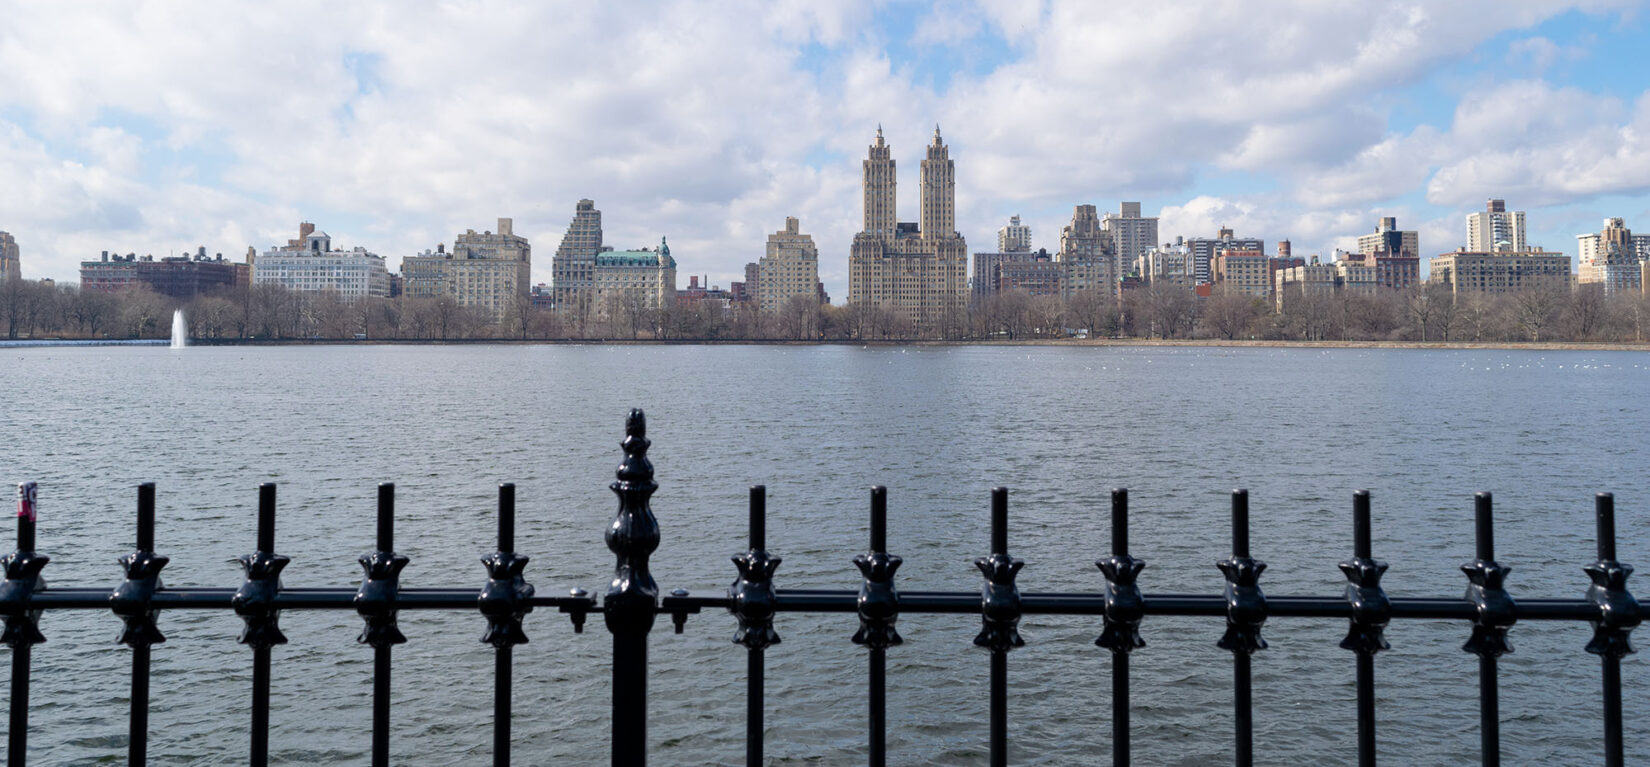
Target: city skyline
[152,128]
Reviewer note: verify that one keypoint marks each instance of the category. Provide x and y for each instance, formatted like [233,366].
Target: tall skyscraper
[1014,238]
[918,272]
[573,268]
[1495,229]
[10,261]
[1610,258]
[1131,234]
[790,268]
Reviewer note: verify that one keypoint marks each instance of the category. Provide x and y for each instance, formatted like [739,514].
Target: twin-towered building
[919,271]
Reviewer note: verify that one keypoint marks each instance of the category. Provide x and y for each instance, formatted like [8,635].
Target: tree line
[41,309]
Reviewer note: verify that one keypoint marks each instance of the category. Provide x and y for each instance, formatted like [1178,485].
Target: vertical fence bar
[254,601]
[1618,615]
[1245,613]
[753,602]
[133,601]
[1494,616]
[878,608]
[1124,608]
[376,603]
[261,650]
[632,599]
[999,619]
[22,572]
[505,601]
[1371,611]
[381,651]
[502,667]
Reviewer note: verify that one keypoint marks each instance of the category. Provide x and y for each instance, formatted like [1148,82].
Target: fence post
[878,607]
[632,599]
[254,601]
[375,601]
[133,602]
[1370,614]
[1618,614]
[22,633]
[752,600]
[504,601]
[1494,616]
[999,619]
[1124,609]
[1245,612]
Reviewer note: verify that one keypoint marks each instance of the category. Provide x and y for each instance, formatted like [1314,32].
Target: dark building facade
[181,277]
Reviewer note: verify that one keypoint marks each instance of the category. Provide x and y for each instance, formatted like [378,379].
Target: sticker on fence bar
[28,503]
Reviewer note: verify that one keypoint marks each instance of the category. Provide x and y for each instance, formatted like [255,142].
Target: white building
[310,264]
[1166,265]
[1014,238]
[631,281]
[1496,229]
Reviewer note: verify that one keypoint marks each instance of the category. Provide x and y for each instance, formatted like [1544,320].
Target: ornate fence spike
[254,601]
[632,598]
[752,594]
[22,575]
[1618,611]
[1495,611]
[1124,605]
[999,597]
[133,599]
[381,586]
[1245,603]
[878,603]
[1371,611]
[505,599]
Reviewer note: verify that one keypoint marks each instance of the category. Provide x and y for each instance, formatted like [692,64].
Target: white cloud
[397,125]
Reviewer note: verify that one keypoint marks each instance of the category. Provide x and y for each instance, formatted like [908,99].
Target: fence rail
[632,603]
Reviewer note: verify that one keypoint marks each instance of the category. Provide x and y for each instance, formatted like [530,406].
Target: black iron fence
[632,603]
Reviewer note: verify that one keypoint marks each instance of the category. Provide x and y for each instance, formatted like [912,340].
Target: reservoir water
[1301,428]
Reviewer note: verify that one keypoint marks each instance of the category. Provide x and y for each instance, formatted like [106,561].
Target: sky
[160,127]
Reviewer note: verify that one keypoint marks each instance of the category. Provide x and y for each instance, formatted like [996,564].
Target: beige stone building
[1466,271]
[1310,279]
[919,271]
[573,268]
[790,268]
[10,262]
[1087,256]
[627,282]
[490,271]
[1388,239]
[1166,265]
[1610,258]
[1247,272]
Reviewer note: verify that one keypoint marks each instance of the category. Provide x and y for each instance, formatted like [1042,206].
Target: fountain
[180,330]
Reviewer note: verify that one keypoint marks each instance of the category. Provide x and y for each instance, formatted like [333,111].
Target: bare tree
[1229,314]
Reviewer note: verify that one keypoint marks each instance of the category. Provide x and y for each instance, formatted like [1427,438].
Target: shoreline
[1106,342]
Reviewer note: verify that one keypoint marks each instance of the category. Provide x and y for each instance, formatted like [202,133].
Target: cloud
[395,126]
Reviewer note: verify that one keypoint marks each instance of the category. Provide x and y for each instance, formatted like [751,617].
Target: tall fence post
[254,601]
[133,601]
[632,599]
[753,600]
[22,633]
[878,607]
[1618,614]
[1124,609]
